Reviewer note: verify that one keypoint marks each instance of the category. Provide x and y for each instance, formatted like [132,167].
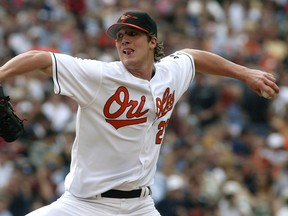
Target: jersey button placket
[147,149]
[145,153]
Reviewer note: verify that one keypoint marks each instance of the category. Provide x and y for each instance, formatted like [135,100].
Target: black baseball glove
[11,127]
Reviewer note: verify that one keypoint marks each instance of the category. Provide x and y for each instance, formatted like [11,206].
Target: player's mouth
[128,51]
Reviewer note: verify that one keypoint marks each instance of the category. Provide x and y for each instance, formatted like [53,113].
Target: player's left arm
[257,80]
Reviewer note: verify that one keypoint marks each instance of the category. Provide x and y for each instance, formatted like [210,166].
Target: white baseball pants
[68,205]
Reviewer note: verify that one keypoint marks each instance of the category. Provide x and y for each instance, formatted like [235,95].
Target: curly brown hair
[159,49]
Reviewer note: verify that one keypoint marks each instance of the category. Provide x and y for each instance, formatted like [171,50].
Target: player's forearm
[259,81]
[207,62]
[26,62]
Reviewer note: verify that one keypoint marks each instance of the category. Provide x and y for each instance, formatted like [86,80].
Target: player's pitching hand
[263,83]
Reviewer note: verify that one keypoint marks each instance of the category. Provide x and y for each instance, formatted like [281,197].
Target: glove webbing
[1,92]
[11,126]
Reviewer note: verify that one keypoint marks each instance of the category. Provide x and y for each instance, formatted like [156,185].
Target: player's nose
[125,39]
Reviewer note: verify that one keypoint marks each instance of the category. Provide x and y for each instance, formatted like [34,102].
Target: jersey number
[161,130]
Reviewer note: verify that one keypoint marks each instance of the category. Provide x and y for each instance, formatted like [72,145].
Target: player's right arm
[30,61]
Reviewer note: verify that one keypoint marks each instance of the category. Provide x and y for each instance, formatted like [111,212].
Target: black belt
[126,194]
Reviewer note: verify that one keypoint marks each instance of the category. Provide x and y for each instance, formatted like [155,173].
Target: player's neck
[146,73]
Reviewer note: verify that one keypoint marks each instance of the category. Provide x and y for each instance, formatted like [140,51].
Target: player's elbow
[42,60]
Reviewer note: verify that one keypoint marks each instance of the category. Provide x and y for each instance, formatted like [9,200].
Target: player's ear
[153,42]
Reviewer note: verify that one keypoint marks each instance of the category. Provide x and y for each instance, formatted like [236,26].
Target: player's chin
[128,61]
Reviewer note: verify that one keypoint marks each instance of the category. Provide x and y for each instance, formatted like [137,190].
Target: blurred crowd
[225,151]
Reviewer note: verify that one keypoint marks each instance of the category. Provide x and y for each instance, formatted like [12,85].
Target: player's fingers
[270,84]
[268,93]
[268,88]
[265,85]
[270,77]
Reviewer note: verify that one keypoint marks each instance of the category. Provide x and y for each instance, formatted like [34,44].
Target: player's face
[134,48]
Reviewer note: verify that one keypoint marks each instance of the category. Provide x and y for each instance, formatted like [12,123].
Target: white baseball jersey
[121,119]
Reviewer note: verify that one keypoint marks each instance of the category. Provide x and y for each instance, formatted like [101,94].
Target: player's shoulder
[95,63]
[175,59]
[115,65]
[176,55]
[179,62]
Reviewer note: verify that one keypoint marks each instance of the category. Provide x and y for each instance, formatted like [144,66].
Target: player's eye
[119,35]
[132,33]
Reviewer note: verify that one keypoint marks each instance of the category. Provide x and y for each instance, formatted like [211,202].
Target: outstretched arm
[27,62]
[257,80]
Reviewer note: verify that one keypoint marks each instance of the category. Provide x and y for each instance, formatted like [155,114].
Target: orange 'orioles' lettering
[134,109]
[165,104]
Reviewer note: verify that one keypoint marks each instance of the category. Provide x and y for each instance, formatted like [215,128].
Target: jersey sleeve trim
[55,75]
[192,64]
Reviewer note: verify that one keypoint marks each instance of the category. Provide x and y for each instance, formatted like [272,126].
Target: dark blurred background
[225,150]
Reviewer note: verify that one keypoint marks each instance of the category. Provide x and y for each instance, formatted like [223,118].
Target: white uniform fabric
[121,120]
[68,205]
[117,126]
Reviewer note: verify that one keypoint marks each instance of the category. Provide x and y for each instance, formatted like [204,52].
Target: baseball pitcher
[124,108]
